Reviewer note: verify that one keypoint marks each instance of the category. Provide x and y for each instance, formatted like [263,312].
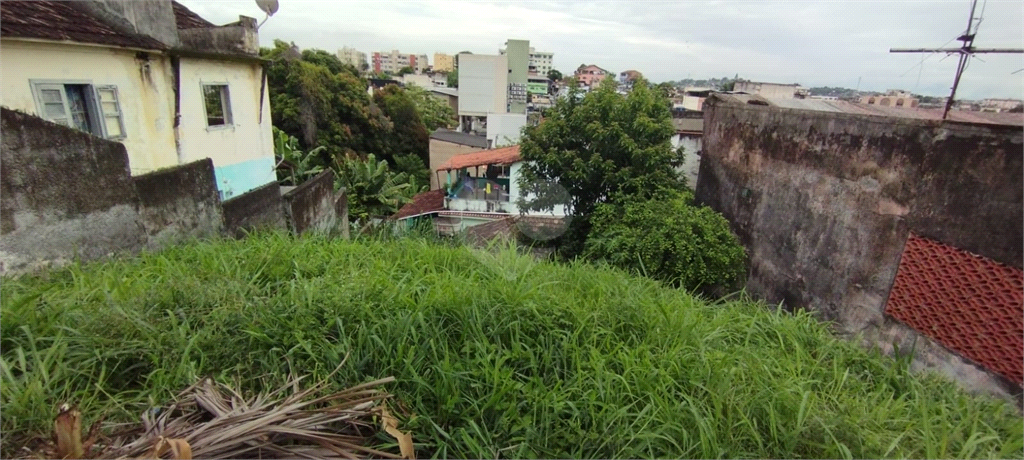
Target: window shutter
[110,111]
[53,104]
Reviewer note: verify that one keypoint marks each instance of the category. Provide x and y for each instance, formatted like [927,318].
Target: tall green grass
[496,355]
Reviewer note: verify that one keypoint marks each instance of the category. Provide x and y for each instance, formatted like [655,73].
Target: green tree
[435,112]
[322,102]
[409,136]
[668,238]
[373,190]
[598,146]
[414,168]
[453,79]
[554,75]
[405,71]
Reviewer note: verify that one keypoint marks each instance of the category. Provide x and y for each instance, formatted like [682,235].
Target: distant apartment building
[353,57]
[1000,105]
[538,62]
[541,61]
[771,90]
[393,61]
[892,98]
[588,75]
[444,62]
[518,54]
[483,85]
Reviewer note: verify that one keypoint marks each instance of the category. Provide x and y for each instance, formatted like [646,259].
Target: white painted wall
[248,137]
[146,97]
[483,84]
[504,129]
[691,160]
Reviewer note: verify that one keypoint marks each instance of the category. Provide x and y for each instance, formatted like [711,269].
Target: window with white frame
[217,101]
[93,109]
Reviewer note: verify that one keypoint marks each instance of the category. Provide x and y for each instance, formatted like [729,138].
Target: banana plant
[293,165]
[373,189]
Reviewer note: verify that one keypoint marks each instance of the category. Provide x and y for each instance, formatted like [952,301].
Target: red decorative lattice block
[970,304]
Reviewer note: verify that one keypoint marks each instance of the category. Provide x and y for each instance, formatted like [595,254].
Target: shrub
[668,238]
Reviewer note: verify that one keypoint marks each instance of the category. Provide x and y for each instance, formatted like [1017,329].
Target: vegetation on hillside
[494,355]
[669,238]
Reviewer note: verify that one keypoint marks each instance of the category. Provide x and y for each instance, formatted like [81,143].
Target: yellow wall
[247,138]
[444,62]
[146,98]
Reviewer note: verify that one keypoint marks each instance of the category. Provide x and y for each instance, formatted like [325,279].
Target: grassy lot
[496,355]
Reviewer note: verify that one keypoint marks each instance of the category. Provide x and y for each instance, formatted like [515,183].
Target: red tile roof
[186,19]
[503,156]
[423,203]
[970,304]
[66,21]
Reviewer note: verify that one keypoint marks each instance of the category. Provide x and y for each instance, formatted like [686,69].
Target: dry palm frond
[211,420]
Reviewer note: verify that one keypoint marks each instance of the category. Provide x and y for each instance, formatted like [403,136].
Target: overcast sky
[814,43]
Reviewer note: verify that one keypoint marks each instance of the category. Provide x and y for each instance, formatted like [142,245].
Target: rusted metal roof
[423,203]
[968,303]
[1012,119]
[503,156]
[66,21]
[187,19]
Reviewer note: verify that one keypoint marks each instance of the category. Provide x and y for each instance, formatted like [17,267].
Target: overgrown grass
[496,355]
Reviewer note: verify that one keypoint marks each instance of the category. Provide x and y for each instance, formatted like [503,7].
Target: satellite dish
[269,7]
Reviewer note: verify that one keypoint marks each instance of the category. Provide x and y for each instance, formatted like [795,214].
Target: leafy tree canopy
[405,71]
[453,79]
[434,111]
[554,75]
[596,147]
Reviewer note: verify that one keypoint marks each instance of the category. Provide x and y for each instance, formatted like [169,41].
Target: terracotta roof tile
[503,156]
[65,21]
[187,19]
[423,203]
[968,303]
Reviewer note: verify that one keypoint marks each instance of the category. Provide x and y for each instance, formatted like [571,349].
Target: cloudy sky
[814,43]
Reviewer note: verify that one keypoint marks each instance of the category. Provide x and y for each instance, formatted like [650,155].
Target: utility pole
[966,50]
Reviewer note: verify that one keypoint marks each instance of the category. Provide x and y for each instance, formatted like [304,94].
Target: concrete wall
[483,84]
[440,152]
[504,129]
[144,89]
[259,209]
[310,207]
[236,38]
[768,90]
[179,203]
[65,194]
[824,202]
[148,17]
[242,152]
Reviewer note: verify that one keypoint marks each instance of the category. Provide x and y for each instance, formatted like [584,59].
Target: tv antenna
[966,51]
[269,7]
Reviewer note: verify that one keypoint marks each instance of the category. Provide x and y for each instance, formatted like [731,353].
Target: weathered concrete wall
[239,37]
[262,208]
[310,207]
[179,203]
[148,17]
[824,202]
[65,194]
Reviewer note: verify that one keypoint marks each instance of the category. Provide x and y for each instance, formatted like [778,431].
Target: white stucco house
[169,85]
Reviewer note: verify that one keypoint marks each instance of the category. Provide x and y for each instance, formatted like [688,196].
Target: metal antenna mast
[966,51]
